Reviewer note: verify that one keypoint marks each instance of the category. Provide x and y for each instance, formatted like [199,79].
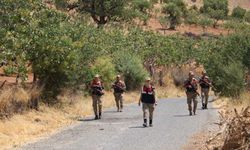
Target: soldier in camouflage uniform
[97,92]
[119,88]
[205,84]
[191,91]
[148,99]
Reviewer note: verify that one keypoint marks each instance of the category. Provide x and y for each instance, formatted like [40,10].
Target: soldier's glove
[156,103]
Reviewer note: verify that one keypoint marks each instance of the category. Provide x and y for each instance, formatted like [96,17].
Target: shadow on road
[136,127]
[111,111]
[186,115]
[87,119]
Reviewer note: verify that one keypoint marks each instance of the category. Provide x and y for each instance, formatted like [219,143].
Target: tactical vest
[147,95]
[203,84]
[97,88]
[189,86]
[118,88]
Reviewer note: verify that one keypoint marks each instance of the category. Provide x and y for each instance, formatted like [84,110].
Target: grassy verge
[31,125]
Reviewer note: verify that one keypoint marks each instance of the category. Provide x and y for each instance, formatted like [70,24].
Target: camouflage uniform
[97,92]
[119,88]
[148,99]
[205,84]
[191,92]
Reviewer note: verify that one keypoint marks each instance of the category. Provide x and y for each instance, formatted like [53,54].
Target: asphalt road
[173,127]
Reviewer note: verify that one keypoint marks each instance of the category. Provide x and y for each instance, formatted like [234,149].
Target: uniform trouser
[192,98]
[97,104]
[119,100]
[204,95]
[148,108]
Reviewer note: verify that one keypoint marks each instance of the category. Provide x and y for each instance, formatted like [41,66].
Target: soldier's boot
[190,113]
[145,123]
[96,117]
[151,123]
[100,115]
[194,112]
[203,106]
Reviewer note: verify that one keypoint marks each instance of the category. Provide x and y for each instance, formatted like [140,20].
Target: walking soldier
[205,84]
[97,92]
[119,88]
[148,99]
[191,91]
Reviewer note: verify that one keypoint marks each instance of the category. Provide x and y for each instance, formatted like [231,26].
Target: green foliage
[174,10]
[142,9]
[216,9]
[247,17]
[132,69]
[228,80]
[205,22]
[238,12]
[192,17]
[174,15]
[103,66]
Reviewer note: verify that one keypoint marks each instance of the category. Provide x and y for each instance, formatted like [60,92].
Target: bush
[104,67]
[205,22]
[132,69]
[247,16]
[192,17]
[228,80]
[238,12]
[216,9]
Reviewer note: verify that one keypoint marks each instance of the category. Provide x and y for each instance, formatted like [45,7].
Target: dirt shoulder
[33,125]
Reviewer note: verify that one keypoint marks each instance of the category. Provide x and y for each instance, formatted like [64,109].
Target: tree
[101,11]
[142,9]
[216,9]
[174,14]
[174,10]
[238,12]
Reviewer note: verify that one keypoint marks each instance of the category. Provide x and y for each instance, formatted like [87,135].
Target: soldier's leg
[195,103]
[117,101]
[203,98]
[206,97]
[144,109]
[100,106]
[94,104]
[121,102]
[189,102]
[151,113]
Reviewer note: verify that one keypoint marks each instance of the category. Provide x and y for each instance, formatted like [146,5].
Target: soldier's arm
[139,103]
[155,97]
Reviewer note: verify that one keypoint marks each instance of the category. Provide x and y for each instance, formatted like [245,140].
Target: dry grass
[30,125]
[34,124]
[13,100]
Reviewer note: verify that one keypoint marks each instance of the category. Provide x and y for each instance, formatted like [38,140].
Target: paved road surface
[123,131]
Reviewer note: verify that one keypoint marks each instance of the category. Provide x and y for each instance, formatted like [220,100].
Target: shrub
[238,12]
[228,80]
[192,17]
[247,16]
[104,67]
[16,100]
[132,69]
[216,9]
